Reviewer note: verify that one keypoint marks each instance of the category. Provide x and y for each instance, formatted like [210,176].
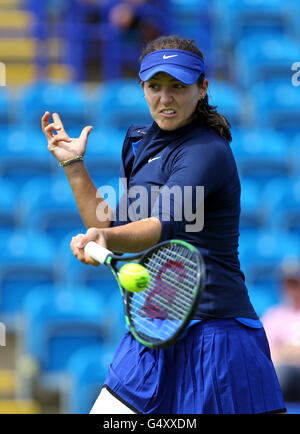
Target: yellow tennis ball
[134,277]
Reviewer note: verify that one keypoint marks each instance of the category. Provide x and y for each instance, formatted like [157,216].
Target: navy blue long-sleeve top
[191,156]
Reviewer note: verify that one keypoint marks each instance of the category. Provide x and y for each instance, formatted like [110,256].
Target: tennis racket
[159,314]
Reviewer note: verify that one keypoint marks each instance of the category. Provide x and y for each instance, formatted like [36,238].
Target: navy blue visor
[180,64]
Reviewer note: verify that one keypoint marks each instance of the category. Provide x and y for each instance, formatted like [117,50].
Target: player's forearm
[86,197]
[134,237]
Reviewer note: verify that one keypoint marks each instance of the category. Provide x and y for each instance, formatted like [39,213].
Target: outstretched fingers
[85,133]
[51,127]
[45,123]
[55,127]
[58,121]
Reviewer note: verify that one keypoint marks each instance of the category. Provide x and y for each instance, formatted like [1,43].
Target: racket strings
[170,277]
[153,327]
[162,307]
[161,296]
[184,301]
[192,270]
[160,301]
[189,267]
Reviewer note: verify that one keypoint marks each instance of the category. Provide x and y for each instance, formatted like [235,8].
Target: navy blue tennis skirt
[218,367]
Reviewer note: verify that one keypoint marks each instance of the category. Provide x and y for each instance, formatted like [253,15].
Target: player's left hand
[79,242]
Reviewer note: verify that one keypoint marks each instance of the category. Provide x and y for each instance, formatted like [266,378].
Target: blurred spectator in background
[116,30]
[282,325]
[103,38]
[136,18]
[127,26]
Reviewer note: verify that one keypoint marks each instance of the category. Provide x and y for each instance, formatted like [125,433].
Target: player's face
[171,103]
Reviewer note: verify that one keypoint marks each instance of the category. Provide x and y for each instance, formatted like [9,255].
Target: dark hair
[205,113]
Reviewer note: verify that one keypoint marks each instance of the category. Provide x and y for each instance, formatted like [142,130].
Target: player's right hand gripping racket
[159,314]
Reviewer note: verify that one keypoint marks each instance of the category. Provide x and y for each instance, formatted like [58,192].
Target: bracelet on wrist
[72,160]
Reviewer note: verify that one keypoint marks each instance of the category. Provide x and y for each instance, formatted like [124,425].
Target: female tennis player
[222,362]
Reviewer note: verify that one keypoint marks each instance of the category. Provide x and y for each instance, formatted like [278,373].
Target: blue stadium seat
[105,143]
[277,105]
[103,171]
[18,141]
[252,215]
[236,19]
[188,6]
[229,101]
[87,370]
[116,325]
[263,297]
[4,134]
[261,255]
[260,59]
[119,104]
[67,266]
[23,155]
[26,260]
[251,141]
[281,199]
[6,112]
[261,154]
[49,205]
[71,272]
[8,204]
[294,152]
[69,100]
[103,156]
[59,321]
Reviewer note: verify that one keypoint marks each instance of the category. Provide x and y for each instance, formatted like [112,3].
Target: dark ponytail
[205,113]
[209,115]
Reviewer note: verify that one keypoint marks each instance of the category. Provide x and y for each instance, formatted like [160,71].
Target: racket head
[158,315]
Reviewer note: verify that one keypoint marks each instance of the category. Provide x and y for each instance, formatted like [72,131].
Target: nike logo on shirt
[154,158]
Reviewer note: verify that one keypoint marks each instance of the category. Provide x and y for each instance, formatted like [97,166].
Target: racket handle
[97,252]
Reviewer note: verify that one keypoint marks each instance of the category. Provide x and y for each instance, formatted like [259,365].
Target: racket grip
[97,252]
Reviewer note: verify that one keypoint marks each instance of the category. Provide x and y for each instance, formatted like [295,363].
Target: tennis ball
[134,277]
